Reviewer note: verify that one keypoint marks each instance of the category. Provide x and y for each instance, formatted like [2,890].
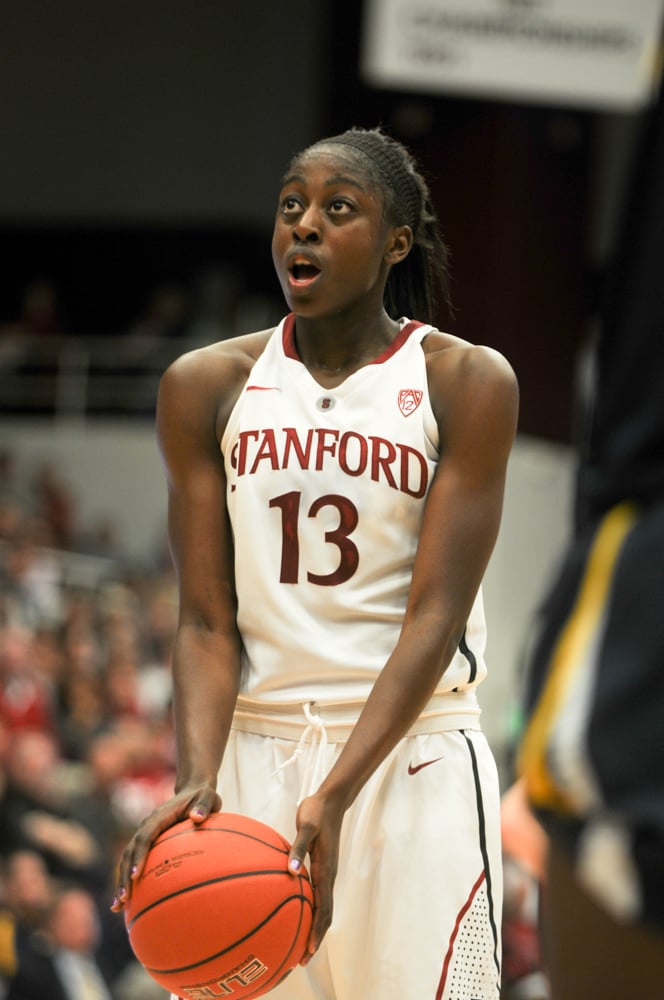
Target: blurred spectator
[27,889]
[81,643]
[101,539]
[26,696]
[524,863]
[55,504]
[138,633]
[165,316]
[11,516]
[62,963]
[30,577]
[12,497]
[86,733]
[122,684]
[216,293]
[161,615]
[151,775]
[48,655]
[82,712]
[39,317]
[109,761]
[36,809]
[27,895]
[30,348]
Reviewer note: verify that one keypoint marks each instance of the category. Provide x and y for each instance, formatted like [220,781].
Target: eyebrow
[330,182]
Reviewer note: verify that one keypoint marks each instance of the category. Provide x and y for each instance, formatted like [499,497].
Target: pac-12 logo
[409,400]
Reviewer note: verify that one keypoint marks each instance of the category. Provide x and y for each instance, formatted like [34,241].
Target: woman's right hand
[189,803]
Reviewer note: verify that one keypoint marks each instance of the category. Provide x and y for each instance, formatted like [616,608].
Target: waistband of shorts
[288,720]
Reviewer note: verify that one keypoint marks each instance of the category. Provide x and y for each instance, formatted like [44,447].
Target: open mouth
[303,271]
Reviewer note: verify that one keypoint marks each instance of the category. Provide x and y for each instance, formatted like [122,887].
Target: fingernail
[122,893]
[198,812]
[115,902]
[295,864]
[133,871]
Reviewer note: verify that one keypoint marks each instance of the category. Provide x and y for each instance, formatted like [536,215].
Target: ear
[399,243]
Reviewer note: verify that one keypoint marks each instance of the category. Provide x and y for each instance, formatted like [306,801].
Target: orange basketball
[216,912]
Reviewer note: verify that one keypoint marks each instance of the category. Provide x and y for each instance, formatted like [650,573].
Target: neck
[333,365]
[336,348]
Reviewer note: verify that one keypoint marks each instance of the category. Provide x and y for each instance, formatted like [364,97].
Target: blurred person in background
[36,810]
[26,895]
[55,504]
[593,751]
[61,961]
[31,576]
[37,324]
[26,694]
[82,712]
[524,864]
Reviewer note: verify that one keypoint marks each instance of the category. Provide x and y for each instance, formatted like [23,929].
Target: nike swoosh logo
[263,388]
[414,768]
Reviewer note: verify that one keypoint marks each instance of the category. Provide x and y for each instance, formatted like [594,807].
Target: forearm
[206,675]
[400,693]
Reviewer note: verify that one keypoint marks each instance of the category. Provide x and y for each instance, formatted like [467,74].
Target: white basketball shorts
[418,895]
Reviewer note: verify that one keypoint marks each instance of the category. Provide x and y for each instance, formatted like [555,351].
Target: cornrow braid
[419,285]
[392,166]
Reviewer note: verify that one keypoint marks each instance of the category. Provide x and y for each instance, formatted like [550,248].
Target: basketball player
[593,752]
[335,489]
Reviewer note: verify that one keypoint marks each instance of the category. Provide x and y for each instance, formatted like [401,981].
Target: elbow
[213,615]
[439,635]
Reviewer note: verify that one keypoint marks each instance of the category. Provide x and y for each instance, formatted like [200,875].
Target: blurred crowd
[86,739]
[52,364]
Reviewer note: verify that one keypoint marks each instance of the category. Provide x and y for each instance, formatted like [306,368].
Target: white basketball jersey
[326,492]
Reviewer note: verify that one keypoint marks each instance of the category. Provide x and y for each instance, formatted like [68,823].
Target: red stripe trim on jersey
[290,350]
[450,950]
[288,338]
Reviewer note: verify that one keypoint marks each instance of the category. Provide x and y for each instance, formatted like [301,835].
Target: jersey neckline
[408,326]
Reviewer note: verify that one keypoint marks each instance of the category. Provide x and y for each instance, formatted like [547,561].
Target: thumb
[300,849]
[295,862]
[203,805]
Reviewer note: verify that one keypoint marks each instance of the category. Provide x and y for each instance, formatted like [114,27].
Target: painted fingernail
[115,902]
[198,812]
[295,864]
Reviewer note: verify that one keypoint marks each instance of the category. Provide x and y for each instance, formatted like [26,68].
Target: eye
[340,206]
[290,205]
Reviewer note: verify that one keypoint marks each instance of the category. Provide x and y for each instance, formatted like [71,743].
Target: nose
[307,227]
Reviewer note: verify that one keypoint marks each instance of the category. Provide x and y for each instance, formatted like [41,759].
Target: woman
[335,491]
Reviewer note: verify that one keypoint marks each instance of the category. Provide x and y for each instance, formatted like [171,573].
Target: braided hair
[418,285]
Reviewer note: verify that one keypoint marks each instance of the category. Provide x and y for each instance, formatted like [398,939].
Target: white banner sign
[588,53]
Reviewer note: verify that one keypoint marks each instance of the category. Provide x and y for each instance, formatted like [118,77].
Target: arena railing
[84,377]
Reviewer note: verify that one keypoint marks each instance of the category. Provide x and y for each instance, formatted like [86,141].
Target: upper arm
[475,397]
[190,394]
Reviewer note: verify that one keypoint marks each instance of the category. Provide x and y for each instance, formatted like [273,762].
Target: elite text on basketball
[225,986]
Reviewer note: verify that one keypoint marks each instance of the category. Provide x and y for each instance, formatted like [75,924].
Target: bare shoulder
[471,384]
[225,360]
[455,365]
[204,383]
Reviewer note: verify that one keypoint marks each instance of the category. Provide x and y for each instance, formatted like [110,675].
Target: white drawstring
[315,767]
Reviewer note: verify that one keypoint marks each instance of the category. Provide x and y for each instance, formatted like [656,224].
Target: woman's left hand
[318,832]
